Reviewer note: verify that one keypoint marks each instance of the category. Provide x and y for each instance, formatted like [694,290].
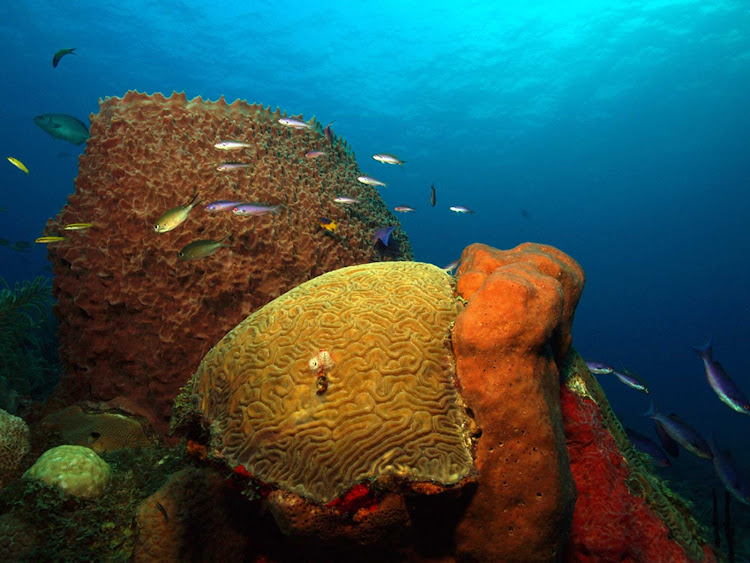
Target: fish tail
[195,201]
[652,410]
[707,350]
[401,163]
[277,208]
[225,237]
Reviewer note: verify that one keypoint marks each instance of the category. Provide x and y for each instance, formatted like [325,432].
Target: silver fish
[370,181]
[221,205]
[386,158]
[294,123]
[404,209]
[345,199]
[248,209]
[460,209]
[231,145]
[232,166]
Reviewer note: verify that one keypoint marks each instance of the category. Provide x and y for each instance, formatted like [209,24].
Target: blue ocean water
[617,132]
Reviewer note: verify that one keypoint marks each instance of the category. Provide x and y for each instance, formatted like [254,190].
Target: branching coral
[27,360]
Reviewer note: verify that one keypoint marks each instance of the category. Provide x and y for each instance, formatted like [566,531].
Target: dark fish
[433,198]
[4,242]
[631,380]
[667,442]
[384,242]
[687,436]
[162,510]
[649,447]
[599,368]
[201,248]
[328,133]
[720,382]
[60,54]
[729,474]
[65,127]
[21,246]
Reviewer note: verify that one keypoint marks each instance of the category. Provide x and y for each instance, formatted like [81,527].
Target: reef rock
[134,319]
[14,445]
[74,470]
[507,342]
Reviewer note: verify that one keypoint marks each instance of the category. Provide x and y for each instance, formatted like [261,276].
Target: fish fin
[707,350]
[225,237]
[193,201]
[652,410]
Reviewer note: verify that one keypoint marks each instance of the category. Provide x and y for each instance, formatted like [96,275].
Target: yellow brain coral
[380,336]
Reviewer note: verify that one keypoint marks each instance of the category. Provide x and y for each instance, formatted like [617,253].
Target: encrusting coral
[134,319]
[14,445]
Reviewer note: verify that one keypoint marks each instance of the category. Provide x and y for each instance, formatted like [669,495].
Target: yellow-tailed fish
[18,164]
[201,248]
[77,226]
[48,239]
[175,216]
[327,224]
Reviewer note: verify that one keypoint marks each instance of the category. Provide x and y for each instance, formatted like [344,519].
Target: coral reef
[624,512]
[73,470]
[134,319]
[390,410]
[507,342]
[17,539]
[14,445]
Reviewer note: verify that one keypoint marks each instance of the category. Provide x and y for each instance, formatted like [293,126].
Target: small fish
[18,164]
[680,431]
[631,380]
[328,133]
[231,145]
[720,381]
[433,196]
[314,154]
[645,444]
[162,510]
[4,242]
[388,159]
[460,209]
[729,475]
[48,239]
[232,166]
[327,224]
[346,200]
[599,368]
[60,54]
[452,266]
[77,226]
[370,181]
[247,209]
[222,205]
[294,123]
[404,209]
[21,246]
[384,242]
[176,216]
[201,248]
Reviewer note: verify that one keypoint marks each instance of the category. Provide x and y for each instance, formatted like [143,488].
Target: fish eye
[156,227]
[181,254]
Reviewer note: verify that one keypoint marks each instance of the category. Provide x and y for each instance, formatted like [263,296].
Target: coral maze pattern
[134,320]
[391,406]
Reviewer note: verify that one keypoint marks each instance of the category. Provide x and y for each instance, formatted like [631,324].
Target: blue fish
[384,242]
[720,382]
[649,447]
[679,430]
[631,380]
[667,442]
[729,474]
[599,368]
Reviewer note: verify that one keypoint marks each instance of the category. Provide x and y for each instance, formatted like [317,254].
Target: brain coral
[14,444]
[74,470]
[134,320]
[390,408]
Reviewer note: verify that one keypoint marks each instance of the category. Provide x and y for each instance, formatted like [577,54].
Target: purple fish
[679,430]
[232,166]
[720,382]
[383,241]
[599,368]
[247,209]
[221,205]
[729,474]
[668,443]
[631,380]
[649,447]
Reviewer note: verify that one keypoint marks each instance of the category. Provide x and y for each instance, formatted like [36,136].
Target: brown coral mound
[507,342]
[134,320]
[390,408]
[14,445]
[100,431]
